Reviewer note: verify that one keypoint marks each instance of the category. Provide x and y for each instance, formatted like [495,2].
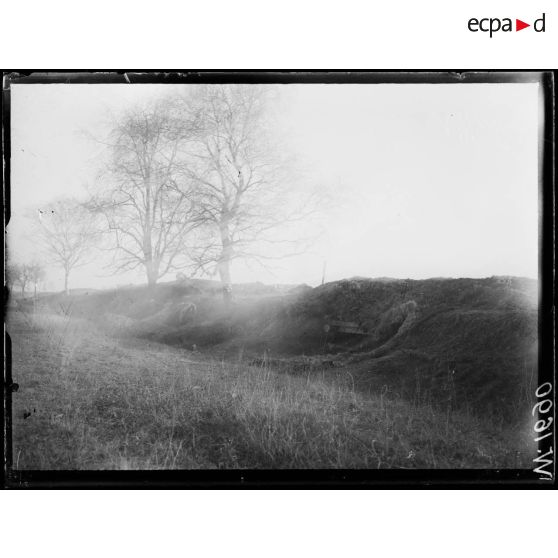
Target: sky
[424,180]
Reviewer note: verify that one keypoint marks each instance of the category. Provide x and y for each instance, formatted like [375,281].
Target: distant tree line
[24,275]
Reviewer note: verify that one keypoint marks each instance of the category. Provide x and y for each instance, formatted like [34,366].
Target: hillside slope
[474,338]
[465,342]
[87,400]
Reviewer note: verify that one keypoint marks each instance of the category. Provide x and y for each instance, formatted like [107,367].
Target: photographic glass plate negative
[279,279]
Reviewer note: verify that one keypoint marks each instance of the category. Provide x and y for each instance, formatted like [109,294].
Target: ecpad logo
[493,25]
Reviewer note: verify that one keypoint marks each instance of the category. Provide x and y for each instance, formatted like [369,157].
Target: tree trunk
[152,271]
[66,287]
[151,267]
[225,276]
[224,264]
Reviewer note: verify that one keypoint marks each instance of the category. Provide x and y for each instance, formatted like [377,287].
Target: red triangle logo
[519,25]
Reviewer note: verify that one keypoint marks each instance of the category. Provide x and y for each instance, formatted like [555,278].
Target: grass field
[93,400]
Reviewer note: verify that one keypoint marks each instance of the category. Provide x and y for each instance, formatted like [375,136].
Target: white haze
[424,180]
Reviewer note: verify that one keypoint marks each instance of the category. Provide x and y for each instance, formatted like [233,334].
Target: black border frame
[294,478]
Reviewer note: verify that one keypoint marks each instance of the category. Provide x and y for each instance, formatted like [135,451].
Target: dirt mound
[397,334]
[475,339]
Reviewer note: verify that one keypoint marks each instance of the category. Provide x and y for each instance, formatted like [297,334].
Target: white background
[257,524]
[288,34]
[293,34]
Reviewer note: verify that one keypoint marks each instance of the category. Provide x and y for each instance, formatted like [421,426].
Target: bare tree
[241,179]
[13,271]
[67,231]
[144,196]
[19,274]
[36,275]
